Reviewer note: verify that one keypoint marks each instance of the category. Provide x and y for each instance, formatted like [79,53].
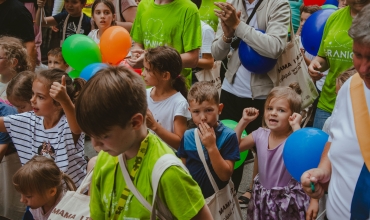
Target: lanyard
[125,193]
[65,27]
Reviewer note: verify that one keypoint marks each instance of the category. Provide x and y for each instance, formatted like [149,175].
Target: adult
[335,52]
[241,88]
[345,160]
[125,13]
[16,21]
[174,23]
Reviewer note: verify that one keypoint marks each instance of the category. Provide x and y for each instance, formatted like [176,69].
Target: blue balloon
[313,29]
[90,70]
[303,149]
[253,61]
[331,2]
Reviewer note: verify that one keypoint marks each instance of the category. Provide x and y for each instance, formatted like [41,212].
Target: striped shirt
[31,138]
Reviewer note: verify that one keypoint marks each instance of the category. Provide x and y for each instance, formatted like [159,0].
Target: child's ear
[14,62]
[220,107]
[137,121]
[166,75]
[52,191]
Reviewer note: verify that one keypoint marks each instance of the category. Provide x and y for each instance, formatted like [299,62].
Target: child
[56,60]
[103,15]
[69,22]
[51,128]
[119,129]
[220,143]
[276,195]
[168,110]
[13,59]
[19,91]
[40,183]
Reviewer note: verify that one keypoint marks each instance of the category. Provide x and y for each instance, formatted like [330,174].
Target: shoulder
[339,14]
[261,132]
[60,16]
[86,18]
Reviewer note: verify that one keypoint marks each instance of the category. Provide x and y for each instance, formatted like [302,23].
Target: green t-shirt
[175,183]
[176,24]
[207,14]
[336,46]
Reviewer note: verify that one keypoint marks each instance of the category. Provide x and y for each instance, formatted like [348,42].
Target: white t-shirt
[30,138]
[164,111]
[38,214]
[208,35]
[94,35]
[344,154]
[242,81]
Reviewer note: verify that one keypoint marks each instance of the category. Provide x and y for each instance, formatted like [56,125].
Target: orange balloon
[115,44]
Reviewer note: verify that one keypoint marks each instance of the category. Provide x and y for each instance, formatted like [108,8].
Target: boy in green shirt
[114,117]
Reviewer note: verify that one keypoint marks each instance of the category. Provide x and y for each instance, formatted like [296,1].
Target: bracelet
[227,38]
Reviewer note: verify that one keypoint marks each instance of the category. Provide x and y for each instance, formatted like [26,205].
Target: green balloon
[243,155]
[74,74]
[79,51]
[329,6]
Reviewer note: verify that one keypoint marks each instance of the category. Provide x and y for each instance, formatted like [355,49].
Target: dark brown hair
[291,93]
[203,91]
[309,9]
[40,174]
[166,59]
[111,7]
[20,86]
[56,52]
[111,97]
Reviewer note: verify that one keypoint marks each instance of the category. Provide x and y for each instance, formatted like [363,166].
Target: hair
[203,91]
[49,76]
[166,59]
[40,174]
[56,52]
[20,87]
[291,93]
[13,49]
[198,3]
[111,97]
[344,76]
[309,9]
[111,7]
[360,28]
[82,1]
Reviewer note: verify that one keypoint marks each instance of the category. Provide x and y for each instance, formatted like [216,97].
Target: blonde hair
[291,93]
[40,174]
[13,49]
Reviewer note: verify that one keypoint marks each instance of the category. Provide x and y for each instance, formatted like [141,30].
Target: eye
[40,97]
[269,108]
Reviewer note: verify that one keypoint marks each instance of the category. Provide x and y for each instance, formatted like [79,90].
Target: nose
[203,117]
[23,199]
[96,143]
[364,67]
[33,99]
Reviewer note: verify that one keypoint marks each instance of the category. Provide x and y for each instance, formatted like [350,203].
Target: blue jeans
[320,118]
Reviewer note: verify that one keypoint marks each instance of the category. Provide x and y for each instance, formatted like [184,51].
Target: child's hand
[313,209]
[58,91]
[313,70]
[295,121]
[250,114]
[150,121]
[137,58]
[207,135]
[41,3]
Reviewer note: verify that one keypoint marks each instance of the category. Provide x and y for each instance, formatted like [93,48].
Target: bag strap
[253,12]
[361,116]
[85,182]
[203,159]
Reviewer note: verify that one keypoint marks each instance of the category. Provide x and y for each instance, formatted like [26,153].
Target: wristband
[227,38]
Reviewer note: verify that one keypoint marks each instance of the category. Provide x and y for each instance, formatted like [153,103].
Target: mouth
[273,121]
[35,109]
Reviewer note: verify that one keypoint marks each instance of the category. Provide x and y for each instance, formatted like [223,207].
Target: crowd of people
[134,120]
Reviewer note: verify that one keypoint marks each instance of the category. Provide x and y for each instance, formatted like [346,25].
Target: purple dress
[276,194]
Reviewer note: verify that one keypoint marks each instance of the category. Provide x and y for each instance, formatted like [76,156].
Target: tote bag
[74,204]
[223,204]
[211,75]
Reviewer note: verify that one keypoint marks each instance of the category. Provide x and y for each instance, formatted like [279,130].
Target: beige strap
[361,116]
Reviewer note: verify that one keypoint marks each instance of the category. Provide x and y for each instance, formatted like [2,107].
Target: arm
[206,62]
[46,21]
[2,125]
[190,58]
[172,139]
[223,168]
[313,209]
[203,214]
[129,16]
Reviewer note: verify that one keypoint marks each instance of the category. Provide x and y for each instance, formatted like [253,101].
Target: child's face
[207,111]
[150,77]
[57,62]
[304,17]
[36,200]
[277,114]
[103,16]
[41,102]
[20,105]
[73,7]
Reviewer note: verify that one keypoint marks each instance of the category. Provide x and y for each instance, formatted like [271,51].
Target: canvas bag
[211,75]
[223,204]
[74,204]
[158,209]
[291,68]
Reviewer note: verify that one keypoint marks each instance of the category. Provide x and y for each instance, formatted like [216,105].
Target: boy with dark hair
[118,128]
[56,59]
[220,143]
[69,22]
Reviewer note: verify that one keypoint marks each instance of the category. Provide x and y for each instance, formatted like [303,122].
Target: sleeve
[230,148]
[125,4]
[176,183]
[182,109]
[257,135]
[6,110]
[23,24]
[21,121]
[60,17]
[96,205]
[327,28]
[208,37]
[181,153]
[192,37]
[136,30]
